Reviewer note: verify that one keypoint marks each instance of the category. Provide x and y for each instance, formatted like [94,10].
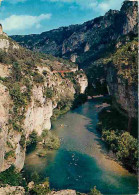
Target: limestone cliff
[31,87]
[122,78]
[89,45]
[86,42]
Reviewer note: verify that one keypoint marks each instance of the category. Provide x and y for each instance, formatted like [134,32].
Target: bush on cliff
[33,139]
[11,177]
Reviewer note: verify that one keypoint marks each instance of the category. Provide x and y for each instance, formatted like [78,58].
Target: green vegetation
[35,177]
[48,142]
[33,138]
[9,154]
[80,99]
[17,71]
[12,177]
[41,189]
[49,92]
[109,119]
[124,146]
[123,60]
[63,106]
[23,141]
[94,191]
[37,78]
[126,62]
[112,126]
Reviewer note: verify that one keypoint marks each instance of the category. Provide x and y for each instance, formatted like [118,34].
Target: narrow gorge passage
[81,161]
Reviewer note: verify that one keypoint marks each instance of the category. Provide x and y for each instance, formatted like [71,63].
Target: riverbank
[82,159]
[122,145]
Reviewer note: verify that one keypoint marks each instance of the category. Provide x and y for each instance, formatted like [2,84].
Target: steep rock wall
[37,115]
[83,43]
[125,97]
[122,78]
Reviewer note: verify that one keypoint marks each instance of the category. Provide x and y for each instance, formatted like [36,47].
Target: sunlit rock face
[88,43]
[39,110]
[5,43]
[38,116]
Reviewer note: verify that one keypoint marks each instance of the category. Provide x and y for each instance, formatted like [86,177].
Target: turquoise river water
[82,160]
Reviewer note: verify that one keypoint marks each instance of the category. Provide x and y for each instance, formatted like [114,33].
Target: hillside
[85,43]
[33,88]
[44,76]
[90,44]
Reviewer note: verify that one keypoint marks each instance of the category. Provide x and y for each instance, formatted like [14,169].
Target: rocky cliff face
[85,43]
[5,43]
[89,45]
[30,89]
[122,77]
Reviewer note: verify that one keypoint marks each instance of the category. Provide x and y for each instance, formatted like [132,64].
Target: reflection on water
[81,162]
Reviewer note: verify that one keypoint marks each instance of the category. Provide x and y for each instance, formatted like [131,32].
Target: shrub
[44,133]
[11,153]
[48,92]
[17,96]
[33,138]
[94,191]
[35,177]
[50,141]
[22,141]
[38,78]
[17,127]
[16,71]
[41,189]
[128,150]
[11,177]
[124,146]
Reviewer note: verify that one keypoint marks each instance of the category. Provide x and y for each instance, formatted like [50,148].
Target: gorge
[82,159]
[91,44]
[43,76]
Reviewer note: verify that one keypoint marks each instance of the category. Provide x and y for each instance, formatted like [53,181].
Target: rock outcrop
[5,102]
[88,44]
[16,190]
[29,92]
[5,42]
[63,192]
[122,78]
[84,43]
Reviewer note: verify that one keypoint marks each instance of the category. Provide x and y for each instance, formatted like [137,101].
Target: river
[81,161]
